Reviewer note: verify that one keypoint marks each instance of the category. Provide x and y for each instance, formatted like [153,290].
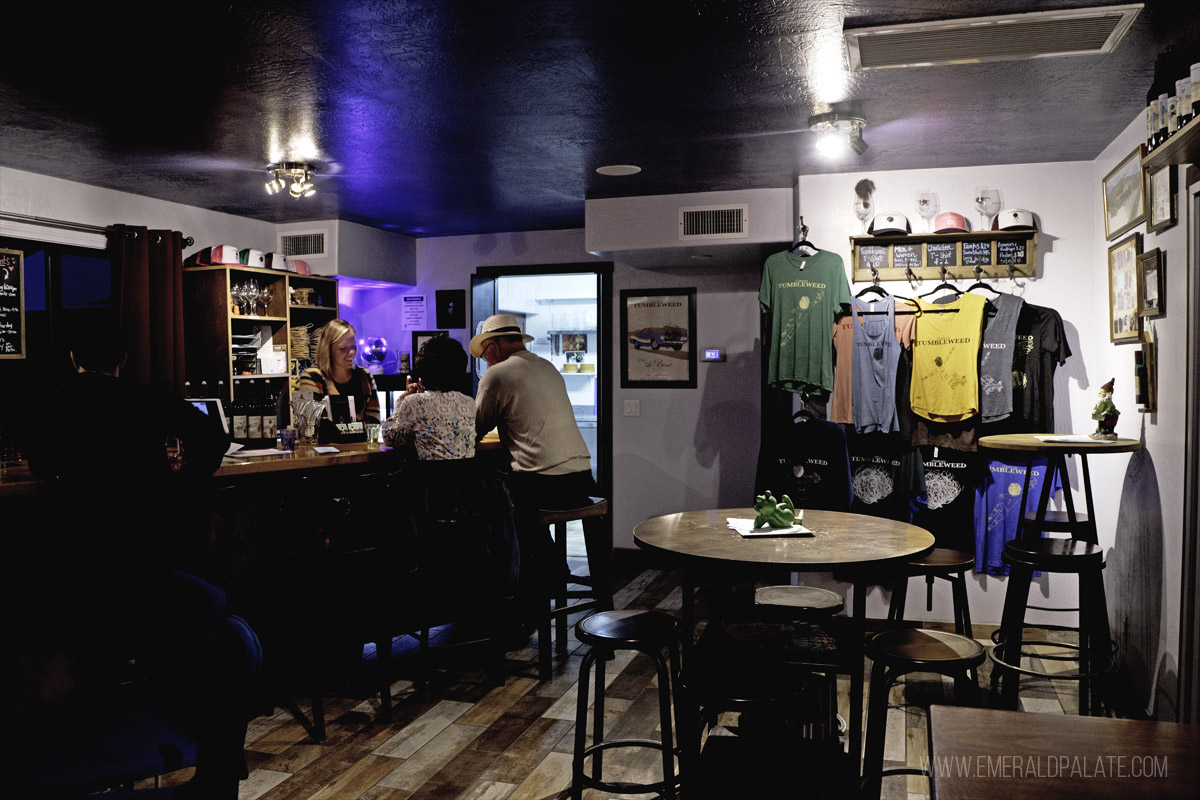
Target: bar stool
[598,582]
[950,565]
[1095,652]
[648,632]
[901,651]
[797,603]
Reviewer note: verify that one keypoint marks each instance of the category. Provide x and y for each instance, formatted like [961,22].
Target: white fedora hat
[497,325]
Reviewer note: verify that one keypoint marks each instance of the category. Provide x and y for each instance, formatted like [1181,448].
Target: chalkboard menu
[1010,251]
[941,254]
[976,253]
[872,257]
[906,256]
[12,305]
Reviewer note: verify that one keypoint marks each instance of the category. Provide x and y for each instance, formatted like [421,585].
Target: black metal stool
[598,583]
[950,565]
[797,603]
[1095,650]
[896,653]
[648,632]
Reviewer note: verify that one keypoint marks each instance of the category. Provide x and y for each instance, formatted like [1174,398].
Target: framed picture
[1152,284]
[1124,195]
[451,308]
[1124,301]
[658,330]
[1162,185]
[421,337]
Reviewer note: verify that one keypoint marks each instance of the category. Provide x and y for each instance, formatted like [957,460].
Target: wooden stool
[648,632]
[950,565]
[1095,651]
[896,653]
[598,582]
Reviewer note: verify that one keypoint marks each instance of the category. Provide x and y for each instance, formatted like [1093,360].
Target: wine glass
[927,207]
[862,209]
[264,296]
[987,203]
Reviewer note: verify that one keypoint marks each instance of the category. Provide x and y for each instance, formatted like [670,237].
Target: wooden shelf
[260,375]
[1182,148]
[259,318]
[997,254]
[303,307]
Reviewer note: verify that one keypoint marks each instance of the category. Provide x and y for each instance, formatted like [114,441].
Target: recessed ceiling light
[619,169]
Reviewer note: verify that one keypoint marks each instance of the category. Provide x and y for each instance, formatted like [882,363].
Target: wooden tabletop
[1028,442]
[986,753]
[840,539]
[305,457]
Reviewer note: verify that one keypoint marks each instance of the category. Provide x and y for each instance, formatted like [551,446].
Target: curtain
[151,303]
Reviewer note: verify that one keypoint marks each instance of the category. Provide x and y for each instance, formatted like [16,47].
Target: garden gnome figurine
[1105,413]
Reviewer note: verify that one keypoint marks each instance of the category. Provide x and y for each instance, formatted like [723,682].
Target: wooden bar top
[1028,442]
[306,457]
[986,753]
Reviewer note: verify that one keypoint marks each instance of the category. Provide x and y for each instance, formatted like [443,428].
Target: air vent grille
[309,243]
[1001,38]
[714,222]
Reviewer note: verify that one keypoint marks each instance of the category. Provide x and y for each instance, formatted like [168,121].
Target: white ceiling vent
[714,222]
[1008,37]
[303,243]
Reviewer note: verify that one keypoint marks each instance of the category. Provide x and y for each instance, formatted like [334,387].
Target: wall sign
[906,256]
[976,254]
[1009,251]
[872,257]
[941,254]
[12,304]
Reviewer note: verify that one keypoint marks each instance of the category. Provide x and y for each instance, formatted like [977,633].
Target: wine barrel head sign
[12,304]
[976,254]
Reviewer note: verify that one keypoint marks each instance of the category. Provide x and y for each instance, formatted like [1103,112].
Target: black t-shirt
[807,460]
[887,474]
[949,510]
[1040,348]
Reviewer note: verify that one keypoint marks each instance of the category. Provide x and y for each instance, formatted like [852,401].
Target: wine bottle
[238,410]
[269,427]
[187,388]
[253,413]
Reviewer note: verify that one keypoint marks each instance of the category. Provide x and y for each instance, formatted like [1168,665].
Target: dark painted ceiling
[440,118]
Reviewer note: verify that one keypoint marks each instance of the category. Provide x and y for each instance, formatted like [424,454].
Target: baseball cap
[889,223]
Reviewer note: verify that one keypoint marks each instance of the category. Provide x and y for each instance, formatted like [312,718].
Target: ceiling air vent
[1008,37]
[714,222]
[307,243]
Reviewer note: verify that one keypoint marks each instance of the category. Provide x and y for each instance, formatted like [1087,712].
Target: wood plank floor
[467,738]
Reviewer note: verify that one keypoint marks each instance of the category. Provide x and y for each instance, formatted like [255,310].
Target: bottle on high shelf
[269,420]
[204,388]
[1160,72]
[1152,126]
[187,388]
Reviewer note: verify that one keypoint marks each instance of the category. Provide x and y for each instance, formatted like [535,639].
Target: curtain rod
[188,241]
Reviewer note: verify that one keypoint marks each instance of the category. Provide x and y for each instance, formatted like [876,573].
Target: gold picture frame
[1152,299]
[1124,194]
[1162,187]
[1124,291]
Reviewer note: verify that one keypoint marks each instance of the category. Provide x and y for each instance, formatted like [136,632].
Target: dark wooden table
[986,753]
[857,543]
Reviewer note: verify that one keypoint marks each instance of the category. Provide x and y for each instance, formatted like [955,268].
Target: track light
[300,175]
[836,131]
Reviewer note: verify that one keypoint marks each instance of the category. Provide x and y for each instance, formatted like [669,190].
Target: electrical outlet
[633,408]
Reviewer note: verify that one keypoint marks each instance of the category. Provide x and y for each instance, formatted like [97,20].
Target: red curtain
[151,303]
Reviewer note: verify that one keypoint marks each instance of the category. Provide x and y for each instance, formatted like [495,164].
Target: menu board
[976,253]
[12,305]
[1011,251]
[906,256]
[872,257]
[941,254]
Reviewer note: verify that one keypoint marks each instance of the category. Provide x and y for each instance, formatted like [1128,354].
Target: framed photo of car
[658,329]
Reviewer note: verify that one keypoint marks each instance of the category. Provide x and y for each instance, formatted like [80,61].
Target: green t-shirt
[803,294]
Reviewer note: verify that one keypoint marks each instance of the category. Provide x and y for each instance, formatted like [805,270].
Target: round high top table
[856,543]
[1056,452]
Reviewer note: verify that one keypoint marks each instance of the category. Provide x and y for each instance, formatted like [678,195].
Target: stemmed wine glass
[264,297]
[927,207]
[862,210]
[987,203]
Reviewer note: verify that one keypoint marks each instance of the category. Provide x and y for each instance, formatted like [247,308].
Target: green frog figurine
[770,512]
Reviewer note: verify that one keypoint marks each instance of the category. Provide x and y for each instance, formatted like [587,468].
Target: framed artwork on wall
[1124,297]
[658,331]
[1152,283]
[1162,187]
[1124,193]
[451,308]
[421,337]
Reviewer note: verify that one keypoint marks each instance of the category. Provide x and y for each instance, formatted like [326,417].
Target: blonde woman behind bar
[335,373]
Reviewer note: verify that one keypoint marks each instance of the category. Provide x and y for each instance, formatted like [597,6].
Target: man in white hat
[525,398]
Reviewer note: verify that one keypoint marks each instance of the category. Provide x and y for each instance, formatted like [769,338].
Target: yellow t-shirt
[945,379]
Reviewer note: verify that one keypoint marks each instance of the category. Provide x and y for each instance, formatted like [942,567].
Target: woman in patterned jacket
[432,417]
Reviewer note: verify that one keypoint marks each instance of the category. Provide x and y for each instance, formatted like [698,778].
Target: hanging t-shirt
[945,380]
[1040,347]
[997,508]
[841,402]
[996,359]
[806,459]
[949,508]
[803,294]
[888,475]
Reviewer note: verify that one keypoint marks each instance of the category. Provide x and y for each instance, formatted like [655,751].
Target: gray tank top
[873,368]
[996,358]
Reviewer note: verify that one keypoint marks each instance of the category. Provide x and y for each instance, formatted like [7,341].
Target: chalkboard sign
[941,254]
[12,304]
[1010,251]
[872,256]
[974,253]
[906,256]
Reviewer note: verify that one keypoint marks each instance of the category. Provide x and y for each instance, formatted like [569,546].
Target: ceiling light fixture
[300,175]
[835,131]
[619,170]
